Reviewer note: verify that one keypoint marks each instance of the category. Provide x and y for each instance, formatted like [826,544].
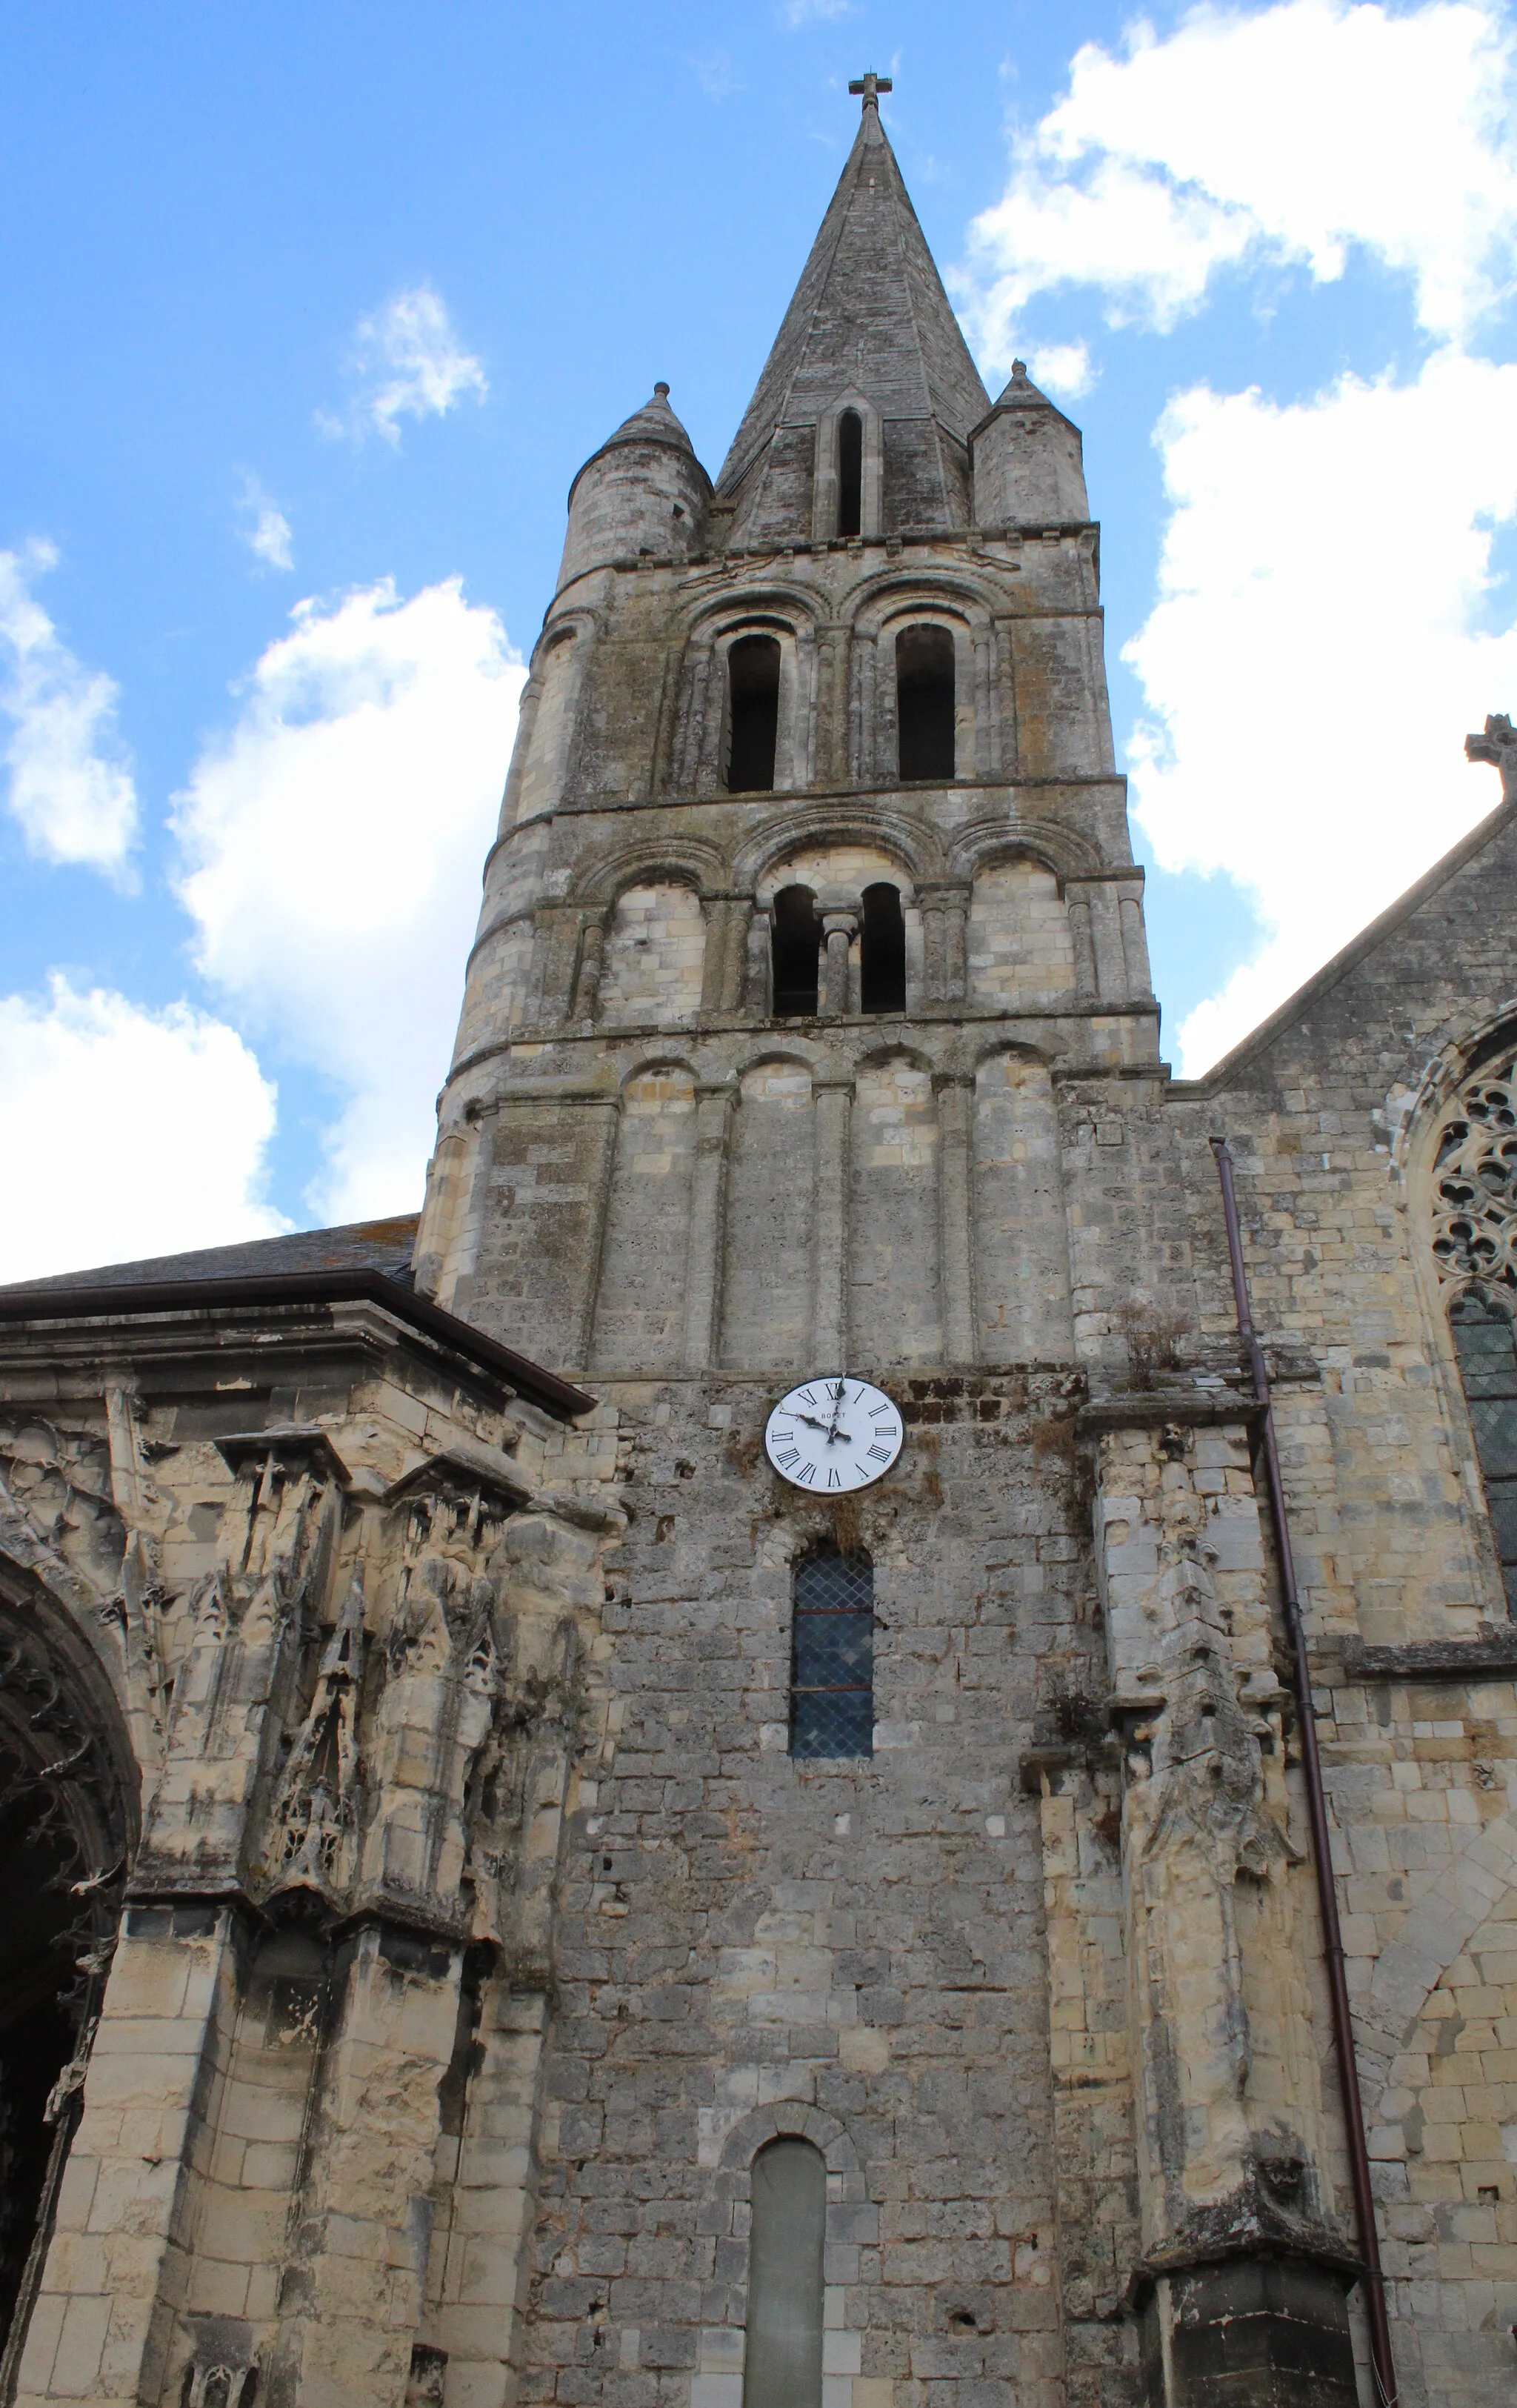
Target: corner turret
[1028,467]
[643,492]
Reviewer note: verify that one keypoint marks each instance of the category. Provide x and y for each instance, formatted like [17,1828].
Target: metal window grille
[832,1658]
[1486,1345]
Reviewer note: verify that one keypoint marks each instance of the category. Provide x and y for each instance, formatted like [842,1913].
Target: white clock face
[833,1434]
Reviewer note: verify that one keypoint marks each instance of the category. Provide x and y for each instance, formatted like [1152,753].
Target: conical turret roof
[655,422]
[869,314]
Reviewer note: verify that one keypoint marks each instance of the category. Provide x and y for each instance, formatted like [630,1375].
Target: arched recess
[1020,946]
[838,875]
[770,1219]
[894,604]
[895,1279]
[655,955]
[832,479]
[68,1828]
[698,742]
[1023,1304]
[639,1299]
[548,720]
[909,846]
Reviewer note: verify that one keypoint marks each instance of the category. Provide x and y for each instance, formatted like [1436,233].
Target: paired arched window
[753,714]
[1485,1342]
[924,702]
[797,941]
[832,1656]
[783,2356]
[849,473]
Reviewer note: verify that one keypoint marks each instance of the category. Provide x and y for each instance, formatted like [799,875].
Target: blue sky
[318,310]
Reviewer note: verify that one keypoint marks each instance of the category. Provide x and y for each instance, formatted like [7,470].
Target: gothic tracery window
[1475,1247]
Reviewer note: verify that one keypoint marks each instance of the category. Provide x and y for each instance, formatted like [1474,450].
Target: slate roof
[870,312]
[383,1246]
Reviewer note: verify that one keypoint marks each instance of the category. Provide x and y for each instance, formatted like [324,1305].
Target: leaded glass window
[832,1657]
[1486,1345]
[1475,1247]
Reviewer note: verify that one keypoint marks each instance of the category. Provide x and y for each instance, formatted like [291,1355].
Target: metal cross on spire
[871,86]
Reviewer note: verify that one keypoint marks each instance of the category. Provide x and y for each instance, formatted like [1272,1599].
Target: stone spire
[870,317]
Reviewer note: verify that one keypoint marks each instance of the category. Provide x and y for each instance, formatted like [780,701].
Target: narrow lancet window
[782,2357]
[1486,1345]
[797,938]
[883,962]
[753,714]
[924,701]
[832,1657]
[849,473]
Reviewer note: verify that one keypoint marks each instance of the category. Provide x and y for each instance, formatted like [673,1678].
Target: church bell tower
[806,1108]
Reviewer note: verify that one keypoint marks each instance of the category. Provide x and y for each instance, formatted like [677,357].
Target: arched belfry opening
[882,950]
[924,702]
[67,1821]
[797,940]
[849,473]
[753,714]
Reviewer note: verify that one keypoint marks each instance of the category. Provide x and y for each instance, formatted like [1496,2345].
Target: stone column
[1135,951]
[838,931]
[1080,937]
[713,713]
[1110,968]
[692,734]
[829,1295]
[956,965]
[526,719]
[1006,700]
[984,761]
[864,742]
[955,1096]
[802,743]
[703,1272]
[932,948]
[591,961]
[758,965]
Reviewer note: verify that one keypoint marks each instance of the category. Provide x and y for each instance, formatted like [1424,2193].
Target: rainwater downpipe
[1381,2363]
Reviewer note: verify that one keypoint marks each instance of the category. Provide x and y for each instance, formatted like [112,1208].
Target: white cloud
[334,842]
[71,786]
[267,533]
[151,1127]
[815,12]
[1066,368]
[409,364]
[1317,653]
[1285,134]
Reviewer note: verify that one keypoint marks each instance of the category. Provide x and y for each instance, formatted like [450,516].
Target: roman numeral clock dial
[833,1434]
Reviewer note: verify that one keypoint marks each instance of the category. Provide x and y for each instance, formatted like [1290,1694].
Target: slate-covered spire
[869,317]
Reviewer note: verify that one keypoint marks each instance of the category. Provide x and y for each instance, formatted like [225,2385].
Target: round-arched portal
[67,1825]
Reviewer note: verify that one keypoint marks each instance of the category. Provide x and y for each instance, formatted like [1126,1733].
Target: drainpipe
[1381,2363]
